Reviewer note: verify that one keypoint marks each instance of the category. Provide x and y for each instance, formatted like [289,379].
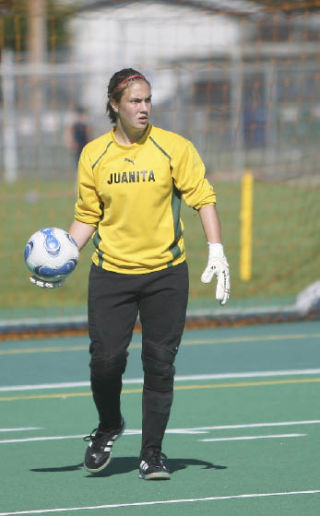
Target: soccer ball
[51,254]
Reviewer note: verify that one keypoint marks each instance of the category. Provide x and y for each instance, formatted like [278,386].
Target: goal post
[246,222]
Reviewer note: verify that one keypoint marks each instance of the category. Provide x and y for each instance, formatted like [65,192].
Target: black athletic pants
[114,302]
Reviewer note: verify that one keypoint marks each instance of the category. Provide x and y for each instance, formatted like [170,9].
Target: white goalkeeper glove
[218,266]
[45,284]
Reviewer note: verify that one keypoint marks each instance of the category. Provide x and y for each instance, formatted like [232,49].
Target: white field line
[44,386]
[37,439]
[160,502]
[183,431]
[248,374]
[186,378]
[252,425]
[252,437]
[21,429]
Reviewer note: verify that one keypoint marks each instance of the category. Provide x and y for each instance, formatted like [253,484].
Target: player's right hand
[45,284]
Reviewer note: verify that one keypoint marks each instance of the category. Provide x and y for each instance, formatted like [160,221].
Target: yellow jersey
[132,195]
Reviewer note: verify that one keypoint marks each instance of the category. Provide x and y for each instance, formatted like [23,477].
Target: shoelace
[97,434]
[156,458]
[98,437]
[92,436]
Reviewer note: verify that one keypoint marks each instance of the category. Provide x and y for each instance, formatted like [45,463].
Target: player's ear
[114,105]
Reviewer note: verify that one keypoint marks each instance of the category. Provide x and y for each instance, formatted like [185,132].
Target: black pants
[114,302]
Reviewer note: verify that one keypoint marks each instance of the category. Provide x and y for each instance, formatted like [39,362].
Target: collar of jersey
[135,144]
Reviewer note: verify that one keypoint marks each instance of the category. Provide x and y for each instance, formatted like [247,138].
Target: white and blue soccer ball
[51,254]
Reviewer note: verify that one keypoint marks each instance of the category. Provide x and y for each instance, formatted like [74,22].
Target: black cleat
[98,454]
[153,467]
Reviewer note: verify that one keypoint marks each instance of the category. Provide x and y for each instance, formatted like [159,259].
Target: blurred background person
[78,134]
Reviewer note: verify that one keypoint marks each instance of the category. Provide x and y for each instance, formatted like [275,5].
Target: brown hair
[116,86]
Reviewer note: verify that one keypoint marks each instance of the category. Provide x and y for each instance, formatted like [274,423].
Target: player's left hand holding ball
[45,284]
[51,254]
[218,266]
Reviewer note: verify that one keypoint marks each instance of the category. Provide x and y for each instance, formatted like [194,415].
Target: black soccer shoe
[153,467]
[98,454]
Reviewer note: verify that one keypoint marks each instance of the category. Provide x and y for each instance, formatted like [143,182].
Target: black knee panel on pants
[158,383]
[102,367]
[158,376]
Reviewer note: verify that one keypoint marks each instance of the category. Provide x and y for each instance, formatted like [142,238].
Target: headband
[137,76]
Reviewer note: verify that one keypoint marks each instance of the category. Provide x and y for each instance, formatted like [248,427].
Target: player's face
[134,107]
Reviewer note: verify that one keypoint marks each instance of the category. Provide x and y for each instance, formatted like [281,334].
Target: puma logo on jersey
[139,176]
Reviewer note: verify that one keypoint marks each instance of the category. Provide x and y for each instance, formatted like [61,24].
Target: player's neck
[127,136]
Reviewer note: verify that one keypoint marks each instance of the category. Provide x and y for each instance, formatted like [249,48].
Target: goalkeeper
[131,181]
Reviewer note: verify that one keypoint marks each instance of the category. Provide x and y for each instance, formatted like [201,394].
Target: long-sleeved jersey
[132,195]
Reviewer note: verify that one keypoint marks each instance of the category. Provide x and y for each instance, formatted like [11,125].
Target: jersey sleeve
[88,206]
[188,172]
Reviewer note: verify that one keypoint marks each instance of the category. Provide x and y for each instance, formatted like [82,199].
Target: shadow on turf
[58,470]
[121,465]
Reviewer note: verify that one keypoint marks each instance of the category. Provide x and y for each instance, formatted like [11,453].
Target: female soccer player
[130,185]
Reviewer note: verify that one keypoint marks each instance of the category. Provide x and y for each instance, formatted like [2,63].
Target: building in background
[148,36]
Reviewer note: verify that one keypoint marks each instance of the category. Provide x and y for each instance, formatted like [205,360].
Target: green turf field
[243,437]
[286,254]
